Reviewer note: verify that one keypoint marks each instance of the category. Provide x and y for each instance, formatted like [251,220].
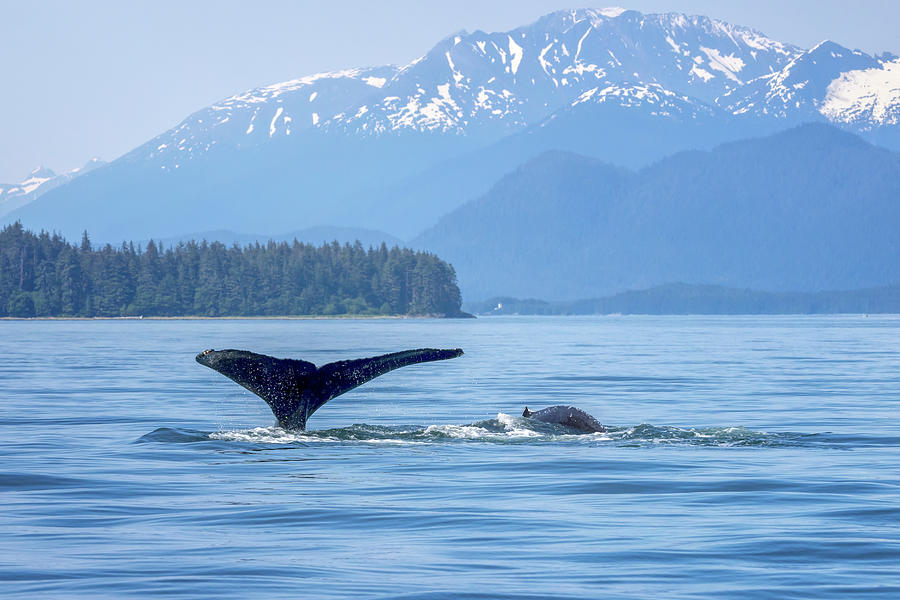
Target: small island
[42,275]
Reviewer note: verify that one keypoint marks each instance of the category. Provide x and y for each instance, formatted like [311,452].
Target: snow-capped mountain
[38,182]
[395,147]
[494,83]
[30,185]
[865,98]
[519,77]
[487,85]
[822,82]
[257,116]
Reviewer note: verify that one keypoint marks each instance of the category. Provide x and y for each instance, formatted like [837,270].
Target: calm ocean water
[747,457]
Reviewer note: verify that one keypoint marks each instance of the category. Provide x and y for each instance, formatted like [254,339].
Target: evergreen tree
[42,275]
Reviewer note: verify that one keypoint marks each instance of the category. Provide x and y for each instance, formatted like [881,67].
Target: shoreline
[464,316]
[233,318]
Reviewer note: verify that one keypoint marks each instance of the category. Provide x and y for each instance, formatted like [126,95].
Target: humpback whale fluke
[295,389]
[568,416]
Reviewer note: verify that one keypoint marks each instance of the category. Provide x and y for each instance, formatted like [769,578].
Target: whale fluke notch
[295,389]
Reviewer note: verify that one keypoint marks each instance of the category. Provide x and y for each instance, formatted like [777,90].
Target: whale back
[568,416]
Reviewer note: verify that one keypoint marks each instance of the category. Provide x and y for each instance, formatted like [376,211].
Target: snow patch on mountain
[274,119]
[612,11]
[798,90]
[701,73]
[515,54]
[729,65]
[40,181]
[870,97]
[656,99]
[267,93]
[36,179]
[375,81]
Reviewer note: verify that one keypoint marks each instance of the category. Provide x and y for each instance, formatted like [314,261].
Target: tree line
[42,275]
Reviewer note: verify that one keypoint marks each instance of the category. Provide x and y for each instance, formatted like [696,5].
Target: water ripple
[513,430]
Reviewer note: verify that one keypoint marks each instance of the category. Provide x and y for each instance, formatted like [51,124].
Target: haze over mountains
[40,181]
[395,149]
[810,209]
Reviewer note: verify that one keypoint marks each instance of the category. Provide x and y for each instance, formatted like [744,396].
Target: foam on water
[269,435]
[504,429]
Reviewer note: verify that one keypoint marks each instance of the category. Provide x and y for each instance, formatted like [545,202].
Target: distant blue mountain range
[813,208]
[685,299]
[396,149]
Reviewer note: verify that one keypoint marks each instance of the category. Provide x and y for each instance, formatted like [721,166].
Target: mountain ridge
[40,181]
[807,209]
[357,148]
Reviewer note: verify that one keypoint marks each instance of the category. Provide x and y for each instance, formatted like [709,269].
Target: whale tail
[295,389]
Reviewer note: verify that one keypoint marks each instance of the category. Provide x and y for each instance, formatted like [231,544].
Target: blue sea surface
[746,457]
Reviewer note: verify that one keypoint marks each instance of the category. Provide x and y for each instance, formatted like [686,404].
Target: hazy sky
[97,78]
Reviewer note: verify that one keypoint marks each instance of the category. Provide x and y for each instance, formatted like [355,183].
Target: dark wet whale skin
[569,416]
[295,389]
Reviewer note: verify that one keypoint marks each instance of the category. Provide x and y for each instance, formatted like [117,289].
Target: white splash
[268,435]
[515,426]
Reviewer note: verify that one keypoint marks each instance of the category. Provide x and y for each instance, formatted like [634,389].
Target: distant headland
[42,275]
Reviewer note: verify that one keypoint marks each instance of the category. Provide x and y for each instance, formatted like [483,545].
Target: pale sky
[98,78]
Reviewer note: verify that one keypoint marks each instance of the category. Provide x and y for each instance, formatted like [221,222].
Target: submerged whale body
[568,416]
[295,389]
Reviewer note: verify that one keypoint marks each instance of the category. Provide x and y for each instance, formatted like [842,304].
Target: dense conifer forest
[42,275]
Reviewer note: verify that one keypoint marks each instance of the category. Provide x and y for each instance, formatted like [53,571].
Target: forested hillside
[686,299]
[44,275]
[806,210]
